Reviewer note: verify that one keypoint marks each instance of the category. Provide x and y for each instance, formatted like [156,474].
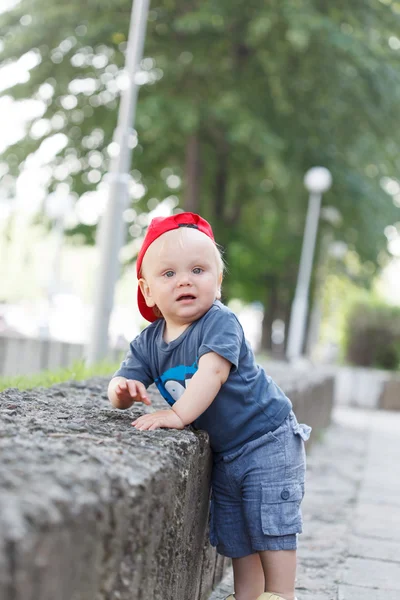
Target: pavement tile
[372,520]
[321,595]
[380,549]
[385,443]
[349,592]
[372,492]
[370,573]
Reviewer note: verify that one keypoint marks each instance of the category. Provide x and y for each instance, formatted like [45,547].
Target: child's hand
[131,390]
[161,418]
[122,392]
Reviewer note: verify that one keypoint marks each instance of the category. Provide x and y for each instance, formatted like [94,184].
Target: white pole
[54,280]
[298,314]
[53,284]
[112,228]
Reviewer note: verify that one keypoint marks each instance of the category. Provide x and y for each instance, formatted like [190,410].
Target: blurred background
[236,103]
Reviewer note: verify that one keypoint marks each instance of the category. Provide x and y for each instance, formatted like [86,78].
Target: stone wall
[20,355]
[91,509]
[390,395]
[367,388]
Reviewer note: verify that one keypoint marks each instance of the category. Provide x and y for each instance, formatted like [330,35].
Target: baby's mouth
[186,297]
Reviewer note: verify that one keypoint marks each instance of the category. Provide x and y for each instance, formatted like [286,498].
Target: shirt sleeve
[136,363]
[222,334]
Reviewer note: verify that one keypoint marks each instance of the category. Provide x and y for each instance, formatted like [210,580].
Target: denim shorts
[257,491]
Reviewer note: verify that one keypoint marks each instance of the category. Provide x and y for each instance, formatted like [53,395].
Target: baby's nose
[185,279]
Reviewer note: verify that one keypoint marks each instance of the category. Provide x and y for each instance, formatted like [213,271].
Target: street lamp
[57,207]
[111,234]
[317,181]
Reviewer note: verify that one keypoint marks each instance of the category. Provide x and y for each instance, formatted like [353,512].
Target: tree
[239,102]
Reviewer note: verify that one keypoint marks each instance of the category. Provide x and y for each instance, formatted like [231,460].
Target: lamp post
[57,207]
[317,181]
[112,231]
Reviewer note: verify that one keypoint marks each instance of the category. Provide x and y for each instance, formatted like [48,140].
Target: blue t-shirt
[249,403]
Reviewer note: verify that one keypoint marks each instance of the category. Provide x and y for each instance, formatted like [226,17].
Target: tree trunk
[191,202]
[221,180]
[270,309]
[287,312]
[266,331]
[220,188]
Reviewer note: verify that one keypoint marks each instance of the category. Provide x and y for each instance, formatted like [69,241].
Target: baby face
[181,275]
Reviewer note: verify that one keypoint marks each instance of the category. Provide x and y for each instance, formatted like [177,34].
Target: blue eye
[169,274]
[197,270]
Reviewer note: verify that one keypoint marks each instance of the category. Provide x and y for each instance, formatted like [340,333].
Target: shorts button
[285,494]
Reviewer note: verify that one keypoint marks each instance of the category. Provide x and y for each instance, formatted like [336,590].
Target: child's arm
[205,384]
[123,392]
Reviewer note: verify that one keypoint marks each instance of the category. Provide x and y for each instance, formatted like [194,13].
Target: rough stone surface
[350,547]
[92,509]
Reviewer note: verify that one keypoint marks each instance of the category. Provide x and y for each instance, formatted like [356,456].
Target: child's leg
[280,572]
[248,577]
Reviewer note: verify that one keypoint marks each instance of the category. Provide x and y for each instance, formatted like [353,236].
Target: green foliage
[373,335]
[78,371]
[266,90]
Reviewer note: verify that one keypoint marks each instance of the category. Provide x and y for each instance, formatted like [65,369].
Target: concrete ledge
[312,399]
[367,388]
[91,509]
[390,396]
[311,390]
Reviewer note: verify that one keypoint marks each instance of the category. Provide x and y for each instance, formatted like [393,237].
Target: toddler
[195,352]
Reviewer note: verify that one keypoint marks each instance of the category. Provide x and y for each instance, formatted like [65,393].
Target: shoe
[269,596]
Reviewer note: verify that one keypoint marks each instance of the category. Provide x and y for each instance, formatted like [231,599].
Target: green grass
[78,371]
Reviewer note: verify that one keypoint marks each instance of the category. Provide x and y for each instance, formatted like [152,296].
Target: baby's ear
[145,289]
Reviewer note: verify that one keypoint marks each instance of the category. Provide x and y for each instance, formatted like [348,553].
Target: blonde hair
[218,250]
[219,259]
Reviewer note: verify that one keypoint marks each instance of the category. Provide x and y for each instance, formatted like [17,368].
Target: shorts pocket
[280,508]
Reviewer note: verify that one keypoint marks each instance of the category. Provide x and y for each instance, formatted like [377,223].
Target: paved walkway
[350,548]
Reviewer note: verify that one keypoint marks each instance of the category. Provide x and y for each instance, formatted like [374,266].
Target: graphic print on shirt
[172,383]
